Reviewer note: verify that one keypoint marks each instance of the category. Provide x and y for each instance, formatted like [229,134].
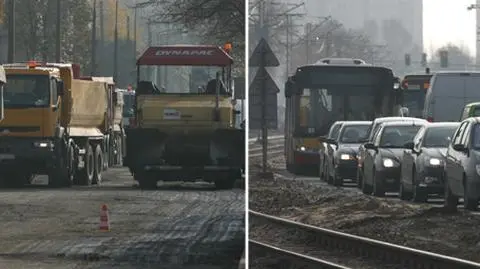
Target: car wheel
[450,200]
[468,203]
[419,195]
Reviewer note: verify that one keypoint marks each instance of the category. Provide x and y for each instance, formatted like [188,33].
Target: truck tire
[98,166]
[119,147]
[145,181]
[60,175]
[15,179]
[226,181]
[85,176]
[225,184]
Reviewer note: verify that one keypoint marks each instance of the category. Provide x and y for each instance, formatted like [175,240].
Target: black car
[326,147]
[374,126]
[382,167]
[341,162]
[463,166]
[423,163]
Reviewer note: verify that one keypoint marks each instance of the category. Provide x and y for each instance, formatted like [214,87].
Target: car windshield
[438,137]
[397,136]
[27,91]
[352,134]
[334,131]
[476,137]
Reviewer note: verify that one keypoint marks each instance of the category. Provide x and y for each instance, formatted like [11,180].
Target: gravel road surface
[308,200]
[177,226]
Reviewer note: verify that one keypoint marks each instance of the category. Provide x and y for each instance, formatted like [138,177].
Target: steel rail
[256,247]
[373,249]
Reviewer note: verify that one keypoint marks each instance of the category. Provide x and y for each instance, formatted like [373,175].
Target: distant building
[359,14]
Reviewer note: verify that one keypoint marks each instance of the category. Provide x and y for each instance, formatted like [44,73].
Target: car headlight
[346,157]
[302,148]
[388,163]
[434,161]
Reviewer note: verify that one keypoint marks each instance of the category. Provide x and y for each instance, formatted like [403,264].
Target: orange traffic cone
[104,221]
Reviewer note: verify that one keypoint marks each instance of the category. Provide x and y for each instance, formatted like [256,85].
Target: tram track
[377,253]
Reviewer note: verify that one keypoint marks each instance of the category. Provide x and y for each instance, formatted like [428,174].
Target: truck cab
[32,101]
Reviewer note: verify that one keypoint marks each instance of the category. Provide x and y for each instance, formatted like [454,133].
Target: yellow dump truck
[185,127]
[56,124]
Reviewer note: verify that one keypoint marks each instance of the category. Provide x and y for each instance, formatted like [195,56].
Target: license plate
[7,156]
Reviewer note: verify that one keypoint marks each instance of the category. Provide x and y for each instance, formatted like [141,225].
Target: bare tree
[458,56]
[217,21]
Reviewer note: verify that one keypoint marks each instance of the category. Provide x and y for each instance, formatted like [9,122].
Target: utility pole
[308,40]
[128,28]
[58,41]
[115,52]
[11,31]
[101,46]
[135,33]
[288,47]
[94,39]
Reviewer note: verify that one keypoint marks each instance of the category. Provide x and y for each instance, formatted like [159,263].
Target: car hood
[395,154]
[348,148]
[435,152]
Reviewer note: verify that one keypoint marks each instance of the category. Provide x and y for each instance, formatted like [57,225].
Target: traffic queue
[410,156]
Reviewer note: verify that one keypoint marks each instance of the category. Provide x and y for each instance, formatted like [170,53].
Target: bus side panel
[289,127]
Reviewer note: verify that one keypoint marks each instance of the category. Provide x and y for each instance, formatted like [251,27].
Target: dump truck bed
[86,105]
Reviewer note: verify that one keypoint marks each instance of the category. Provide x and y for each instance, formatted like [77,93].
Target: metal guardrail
[374,249]
[256,247]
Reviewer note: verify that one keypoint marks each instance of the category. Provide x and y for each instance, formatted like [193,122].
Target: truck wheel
[13,179]
[85,176]
[60,175]
[225,184]
[145,181]
[225,181]
[119,155]
[98,166]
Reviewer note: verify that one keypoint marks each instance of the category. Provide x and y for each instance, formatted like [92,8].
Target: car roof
[472,119]
[338,122]
[386,119]
[404,123]
[444,124]
[346,123]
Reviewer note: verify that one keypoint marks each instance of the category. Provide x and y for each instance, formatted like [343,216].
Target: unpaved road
[176,226]
[423,226]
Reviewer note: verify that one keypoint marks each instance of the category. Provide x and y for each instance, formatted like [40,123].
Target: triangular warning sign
[263,50]
[269,84]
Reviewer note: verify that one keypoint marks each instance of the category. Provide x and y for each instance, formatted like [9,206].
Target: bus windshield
[330,94]
[415,89]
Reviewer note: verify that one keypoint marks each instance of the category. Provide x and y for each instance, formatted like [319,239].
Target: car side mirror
[333,142]
[459,147]
[370,146]
[409,145]
[322,139]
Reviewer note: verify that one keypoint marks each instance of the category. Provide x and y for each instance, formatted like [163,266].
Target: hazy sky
[447,21]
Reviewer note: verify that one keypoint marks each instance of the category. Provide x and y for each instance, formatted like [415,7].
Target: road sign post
[263,57]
